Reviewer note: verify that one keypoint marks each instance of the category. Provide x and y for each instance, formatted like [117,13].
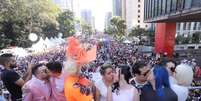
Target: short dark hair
[136,67]
[4,58]
[55,67]
[104,67]
[35,68]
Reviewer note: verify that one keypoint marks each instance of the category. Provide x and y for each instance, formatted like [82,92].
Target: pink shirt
[57,86]
[36,90]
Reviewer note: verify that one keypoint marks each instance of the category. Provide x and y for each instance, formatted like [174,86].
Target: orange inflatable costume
[76,87]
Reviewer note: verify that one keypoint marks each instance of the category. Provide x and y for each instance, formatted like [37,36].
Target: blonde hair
[184,74]
[70,66]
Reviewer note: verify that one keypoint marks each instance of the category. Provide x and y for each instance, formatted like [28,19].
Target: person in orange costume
[77,87]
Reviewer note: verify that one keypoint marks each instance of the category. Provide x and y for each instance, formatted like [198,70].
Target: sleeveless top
[102,88]
[123,95]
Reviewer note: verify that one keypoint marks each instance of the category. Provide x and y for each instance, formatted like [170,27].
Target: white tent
[39,46]
[127,41]
[48,43]
[17,51]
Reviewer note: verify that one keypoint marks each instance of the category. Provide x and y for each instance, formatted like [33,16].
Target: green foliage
[137,32]
[140,32]
[86,29]
[66,23]
[117,27]
[196,37]
[180,39]
[151,37]
[18,18]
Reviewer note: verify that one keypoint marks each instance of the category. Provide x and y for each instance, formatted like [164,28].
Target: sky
[99,9]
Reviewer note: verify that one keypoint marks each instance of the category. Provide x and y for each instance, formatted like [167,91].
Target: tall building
[64,4]
[187,28]
[108,17]
[76,8]
[134,14]
[86,16]
[117,7]
[93,23]
[166,14]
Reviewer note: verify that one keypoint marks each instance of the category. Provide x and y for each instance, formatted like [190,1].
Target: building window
[138,6]
[178,26]
[152,8]
[178,33]
[163,6]
[199,27]
[138,21]
[168,6]
[138,11]
[138,0]
[138,16]
[138,26]
[159,7]
[184,26]
[189,26]
[149,9]
[173,5]
[146,26]
[155,8]
[195,26]
[187,4]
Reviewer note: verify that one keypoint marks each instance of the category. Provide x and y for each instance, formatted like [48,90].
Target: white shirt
[123,95]
[172,80]
[137,84]
[96,77]
[181,91]
[102,88]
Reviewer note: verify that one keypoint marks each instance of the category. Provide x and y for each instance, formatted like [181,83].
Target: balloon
[33,37]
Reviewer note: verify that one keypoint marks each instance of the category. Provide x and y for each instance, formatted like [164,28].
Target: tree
[140,32]
[42,14]
[151,36]
[180,39]
[196,37]
[137,32]
[18,18]
[117,27]
[86,28]
[66,23]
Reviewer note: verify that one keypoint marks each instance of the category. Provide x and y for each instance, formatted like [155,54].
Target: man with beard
[76,86]
[12,81]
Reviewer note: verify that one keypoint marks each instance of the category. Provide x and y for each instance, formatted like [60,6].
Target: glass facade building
[165,9]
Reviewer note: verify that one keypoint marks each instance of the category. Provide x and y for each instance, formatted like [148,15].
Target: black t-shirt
[9,77]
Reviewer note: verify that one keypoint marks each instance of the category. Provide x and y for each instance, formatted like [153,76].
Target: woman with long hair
[122,90]
[107,74]
[158,88]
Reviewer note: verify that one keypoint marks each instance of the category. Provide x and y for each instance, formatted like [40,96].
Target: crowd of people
[120,73]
